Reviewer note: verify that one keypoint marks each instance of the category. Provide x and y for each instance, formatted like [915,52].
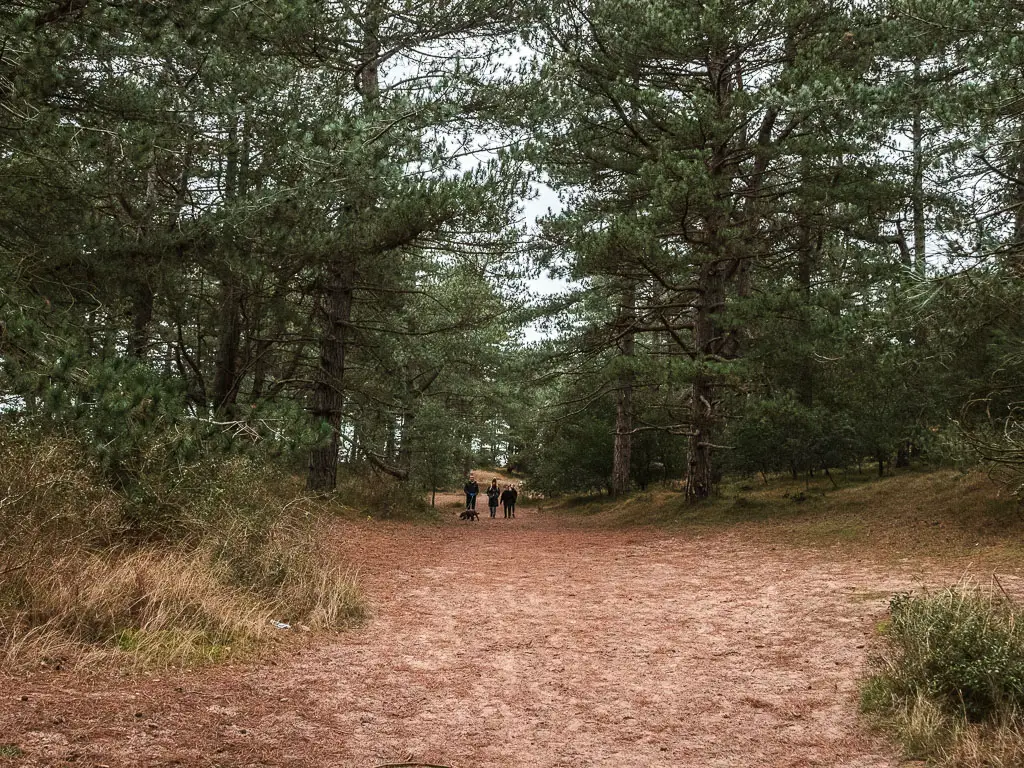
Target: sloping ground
[550,640]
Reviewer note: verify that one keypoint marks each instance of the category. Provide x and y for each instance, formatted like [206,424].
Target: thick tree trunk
[624,403]
[328,395]
[1016,172]
[903,454]
[700,475]
[226,363]
[405,446]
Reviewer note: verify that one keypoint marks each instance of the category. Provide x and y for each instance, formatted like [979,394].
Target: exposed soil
[529,642]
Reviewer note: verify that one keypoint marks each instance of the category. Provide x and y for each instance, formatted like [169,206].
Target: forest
[787,235]
[268,258]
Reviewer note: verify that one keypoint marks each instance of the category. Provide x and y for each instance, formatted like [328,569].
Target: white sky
[545,202]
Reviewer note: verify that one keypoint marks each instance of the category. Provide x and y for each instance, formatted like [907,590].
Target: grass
[948,679]
[915,513]
[190,570]
[382,497]
[10,750]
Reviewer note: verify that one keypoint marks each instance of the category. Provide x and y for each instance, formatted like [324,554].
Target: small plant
[10,750]
[949,678]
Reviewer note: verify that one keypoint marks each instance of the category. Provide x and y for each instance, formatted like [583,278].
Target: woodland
[788,235]
[265,262]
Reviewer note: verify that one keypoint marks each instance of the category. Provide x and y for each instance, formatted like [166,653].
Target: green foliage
[574,454]
[382,496]
[962,648]
[949,679]
[780,435]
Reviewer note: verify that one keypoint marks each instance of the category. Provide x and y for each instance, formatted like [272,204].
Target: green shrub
[949,678]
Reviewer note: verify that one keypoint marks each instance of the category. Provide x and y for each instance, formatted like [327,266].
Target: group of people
[495,495]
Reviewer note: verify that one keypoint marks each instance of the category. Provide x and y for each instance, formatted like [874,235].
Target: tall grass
[948,681]
[190,568]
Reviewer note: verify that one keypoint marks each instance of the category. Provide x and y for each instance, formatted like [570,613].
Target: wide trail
[532,642]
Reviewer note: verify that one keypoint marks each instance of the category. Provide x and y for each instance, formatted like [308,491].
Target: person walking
[472,489]
[514,498]
[506,501]
[492,497]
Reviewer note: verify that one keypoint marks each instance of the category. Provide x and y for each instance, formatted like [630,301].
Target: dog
[469,514]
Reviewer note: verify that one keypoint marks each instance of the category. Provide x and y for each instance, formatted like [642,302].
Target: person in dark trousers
[492,497]
[472,489]
[515,497]
[508,501]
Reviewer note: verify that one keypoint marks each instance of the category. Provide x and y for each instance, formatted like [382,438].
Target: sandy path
[530,642]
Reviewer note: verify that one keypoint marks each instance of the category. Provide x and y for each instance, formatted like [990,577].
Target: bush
[381,495]
[949,679]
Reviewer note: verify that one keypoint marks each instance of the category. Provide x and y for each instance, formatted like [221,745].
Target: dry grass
[160,608]
[928,734]
[247,550]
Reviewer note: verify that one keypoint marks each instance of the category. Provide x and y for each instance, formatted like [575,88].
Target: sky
[546,201]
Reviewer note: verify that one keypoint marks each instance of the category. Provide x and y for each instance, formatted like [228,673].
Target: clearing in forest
[548,640]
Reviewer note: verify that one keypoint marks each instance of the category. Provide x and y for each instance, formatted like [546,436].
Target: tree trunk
[903,454]
[1016,172]
[805,377]
[917,138]
[336,310]
[700,476]
[225,376]
[328,395]
[142,316]
[405,446]
[624,402]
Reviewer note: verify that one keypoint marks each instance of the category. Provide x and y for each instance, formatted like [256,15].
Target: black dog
[469,514]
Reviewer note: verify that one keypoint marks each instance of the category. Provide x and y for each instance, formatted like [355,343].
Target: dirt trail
[530,642]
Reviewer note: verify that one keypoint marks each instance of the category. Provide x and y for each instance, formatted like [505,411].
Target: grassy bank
[198,564]
[915,513]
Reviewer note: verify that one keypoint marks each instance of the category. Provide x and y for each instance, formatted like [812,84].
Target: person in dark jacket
[492,497]
[472,489]
[508,501]
[515,498]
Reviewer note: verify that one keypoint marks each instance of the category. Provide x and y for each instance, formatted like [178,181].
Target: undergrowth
[948,680]
[190,566]
[382,496]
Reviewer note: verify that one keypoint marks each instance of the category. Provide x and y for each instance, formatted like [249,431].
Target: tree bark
[700,477]
[328,394]
[805,377]
[336,310]
[917,130]
[142,316]
[225,375]
[624,401]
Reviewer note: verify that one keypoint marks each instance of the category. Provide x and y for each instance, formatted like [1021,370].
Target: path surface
[531,642]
